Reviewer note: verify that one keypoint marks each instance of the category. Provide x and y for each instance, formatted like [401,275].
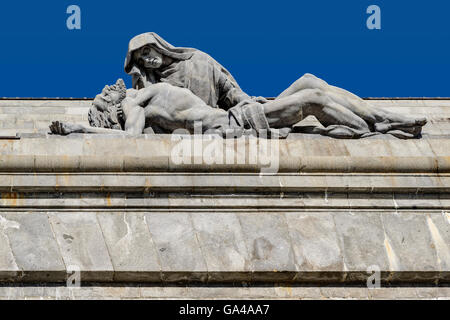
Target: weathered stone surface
[344,293]
[316,247]
[310,148]
[229,247]
[440,147]
[370,200]
[325,199]
[34,247]
[155,292]
[439,228]
[222,243]
[427,200]
[144,152]
[407,148]
[42,147]
[411,247]
[269,245]
[287,292]
[82,245]
[360,148]
[392,293]
[8,266]
[144,197]
[179,250]
[133,253]
[361,237]
[220,292]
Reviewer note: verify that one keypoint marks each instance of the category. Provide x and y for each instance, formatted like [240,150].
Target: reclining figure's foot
[421,122]
[410,127]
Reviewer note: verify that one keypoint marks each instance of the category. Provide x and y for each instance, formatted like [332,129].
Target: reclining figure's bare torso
[172,108]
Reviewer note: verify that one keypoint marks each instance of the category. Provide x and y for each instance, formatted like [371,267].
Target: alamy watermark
[73,21]
[374,279]
[374,20]
[73,282]
[74,278]
[211,148]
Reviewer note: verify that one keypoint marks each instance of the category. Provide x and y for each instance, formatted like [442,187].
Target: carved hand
[62,128]
[119,111]
[260,99]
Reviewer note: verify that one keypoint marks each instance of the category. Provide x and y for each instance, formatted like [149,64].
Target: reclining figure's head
[103,112]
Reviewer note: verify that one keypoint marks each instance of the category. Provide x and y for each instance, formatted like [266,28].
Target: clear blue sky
[265,44]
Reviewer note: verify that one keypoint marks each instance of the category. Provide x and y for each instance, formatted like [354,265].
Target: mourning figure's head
[148,57]
[103,112]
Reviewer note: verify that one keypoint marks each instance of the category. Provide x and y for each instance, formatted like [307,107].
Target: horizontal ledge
[232,202]
[224,183]
[185,209]
[293,277]
[285,164]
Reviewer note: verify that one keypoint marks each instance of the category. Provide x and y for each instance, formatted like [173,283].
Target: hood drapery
[154,40]
[191,69]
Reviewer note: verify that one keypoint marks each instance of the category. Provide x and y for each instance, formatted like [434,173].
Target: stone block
[269,245]
[311,148]
[133,253]
[364,147]
[82,245]
[177,245]
[361,237]
[32,182]
[316,247]
[104,146]
[5,146]
[392,293]
[370,201]
[427,292]
[403,148]
[156,292]
[440,147]
[8,266]
[34,247]
[139,164]
[344,293]
[44,147]
[439,228]
[294,292]
[324,199]
[223,246]
[410,248]
[417,200]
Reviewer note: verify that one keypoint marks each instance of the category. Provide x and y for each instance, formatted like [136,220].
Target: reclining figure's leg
[377,119]
[338,120]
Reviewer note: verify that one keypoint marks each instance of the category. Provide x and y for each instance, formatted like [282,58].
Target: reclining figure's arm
[64,128]
[134,124]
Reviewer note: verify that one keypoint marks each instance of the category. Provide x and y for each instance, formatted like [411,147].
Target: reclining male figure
[343,114]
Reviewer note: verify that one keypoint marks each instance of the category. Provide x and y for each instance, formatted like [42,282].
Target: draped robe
[191,69]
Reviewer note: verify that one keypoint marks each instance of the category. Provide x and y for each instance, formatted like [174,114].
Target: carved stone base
[135,223]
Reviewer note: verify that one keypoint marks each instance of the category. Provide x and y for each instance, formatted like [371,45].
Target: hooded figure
[191,69]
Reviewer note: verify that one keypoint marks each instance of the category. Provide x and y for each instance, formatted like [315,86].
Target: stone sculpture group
[184,88]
